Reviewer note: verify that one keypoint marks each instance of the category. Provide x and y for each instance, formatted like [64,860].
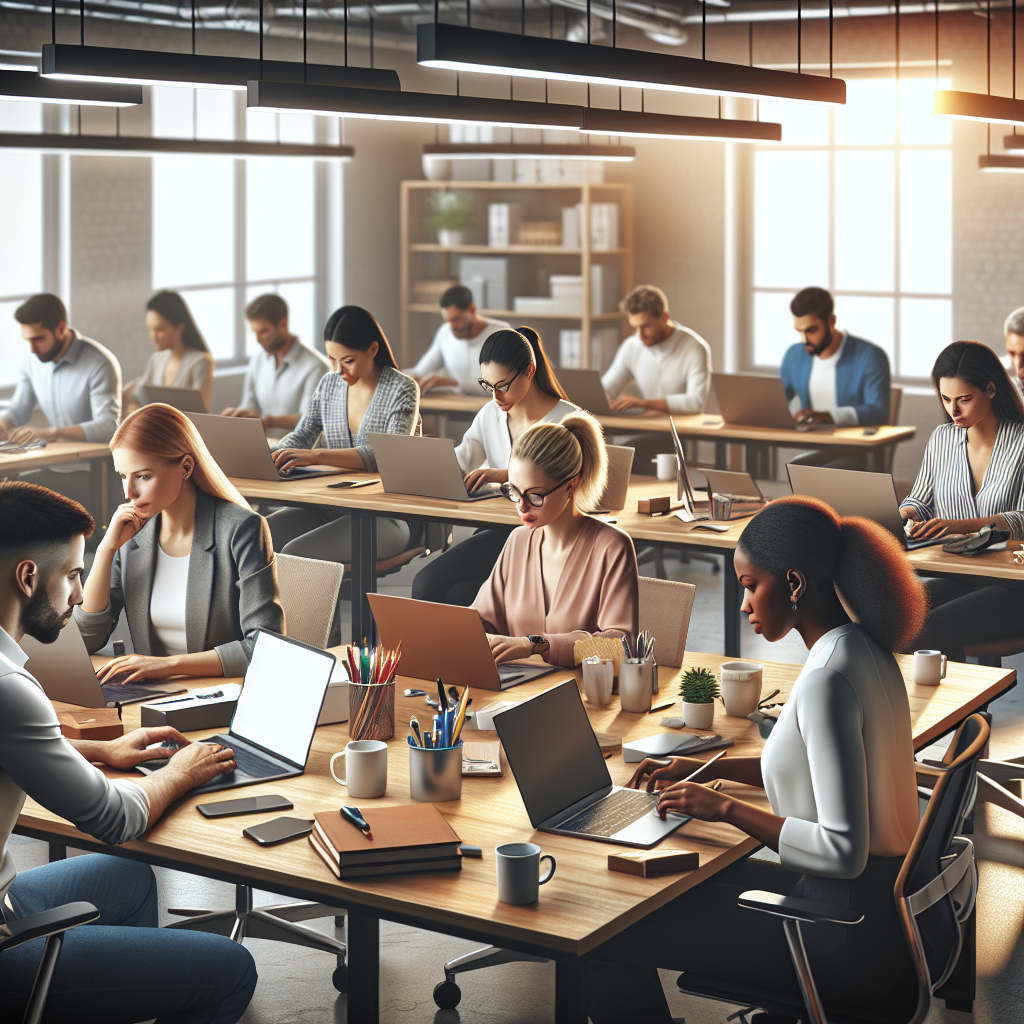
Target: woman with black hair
[182,358]
[838,771]
[972,476]
[516,372]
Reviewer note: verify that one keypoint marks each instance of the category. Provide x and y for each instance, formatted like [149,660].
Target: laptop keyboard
[612,814]
[250,763]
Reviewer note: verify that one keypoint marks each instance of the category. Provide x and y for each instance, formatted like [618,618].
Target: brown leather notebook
[413,832]
[379,870]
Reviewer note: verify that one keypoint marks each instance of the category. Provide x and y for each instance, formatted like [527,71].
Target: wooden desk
[583,906]
[57,452]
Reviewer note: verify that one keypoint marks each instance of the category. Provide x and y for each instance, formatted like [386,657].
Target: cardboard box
[209,708]
[91,724]
[335,707]
[651,865]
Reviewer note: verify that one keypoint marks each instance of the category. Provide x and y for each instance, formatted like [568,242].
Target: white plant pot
[698,716]
[450,238]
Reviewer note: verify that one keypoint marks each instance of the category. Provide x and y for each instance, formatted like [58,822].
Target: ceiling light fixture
[647,125]
[526,151]
[29,86]
[1001,164]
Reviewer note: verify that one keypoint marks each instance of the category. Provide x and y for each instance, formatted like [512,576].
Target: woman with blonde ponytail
[562,574]
[188,561]
[838,770]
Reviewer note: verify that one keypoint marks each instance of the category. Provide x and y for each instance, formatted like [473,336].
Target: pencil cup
[371,711]
[636,684]
[518,872]
[598,675]
[435,774]
[362,768]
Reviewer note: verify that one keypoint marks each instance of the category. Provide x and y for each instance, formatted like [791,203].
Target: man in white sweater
[670,363]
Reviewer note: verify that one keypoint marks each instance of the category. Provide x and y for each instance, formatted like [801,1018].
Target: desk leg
[731,599]
[364,575]
[363,958]
[571,991]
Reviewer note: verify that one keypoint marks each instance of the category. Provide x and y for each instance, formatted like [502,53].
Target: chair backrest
[665,608]
[309,593]
[895,400]
[620,465]
[937,884]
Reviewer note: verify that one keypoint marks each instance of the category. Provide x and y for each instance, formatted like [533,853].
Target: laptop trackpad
[649,830]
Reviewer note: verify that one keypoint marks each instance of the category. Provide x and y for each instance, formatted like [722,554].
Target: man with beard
[280,380]
[830,376]
[123,969]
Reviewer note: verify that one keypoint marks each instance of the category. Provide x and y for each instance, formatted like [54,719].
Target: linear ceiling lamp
[459,48]
[974,106]
[1001,164]
[526,151]
[424,107]
[1013,143]
[199,70]
[128,145]
[646,125]
[32,87]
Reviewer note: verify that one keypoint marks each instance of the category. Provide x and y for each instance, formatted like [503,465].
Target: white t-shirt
[169,600]
[821,389]
[458,357]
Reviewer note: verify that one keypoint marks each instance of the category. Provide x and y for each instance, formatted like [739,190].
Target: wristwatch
[537,640]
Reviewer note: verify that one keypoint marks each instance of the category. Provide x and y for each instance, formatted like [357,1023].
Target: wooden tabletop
[995,564]
[54,452]
[585,903]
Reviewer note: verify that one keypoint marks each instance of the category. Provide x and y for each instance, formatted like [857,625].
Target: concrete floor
[295,984]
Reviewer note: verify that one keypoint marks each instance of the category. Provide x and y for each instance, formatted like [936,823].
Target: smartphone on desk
[353,483]
[280,830]
[248,805]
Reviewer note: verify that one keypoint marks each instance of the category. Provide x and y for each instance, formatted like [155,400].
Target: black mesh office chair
[51,925]
[935,894]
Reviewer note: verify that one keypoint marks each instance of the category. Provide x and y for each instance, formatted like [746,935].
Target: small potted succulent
[698,688]
[453,217]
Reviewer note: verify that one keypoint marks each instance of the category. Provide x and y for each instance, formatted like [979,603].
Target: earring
[793,606]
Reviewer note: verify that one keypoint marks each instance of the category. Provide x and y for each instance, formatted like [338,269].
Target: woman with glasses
[516,372]
[562,575]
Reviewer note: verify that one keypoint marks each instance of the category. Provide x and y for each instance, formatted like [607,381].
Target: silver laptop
[64,670]
[854,493]
[239,446]
[272,728]
[758,400]
[733,484]
[184,399]
[585,389]
[563,779]
[425,466]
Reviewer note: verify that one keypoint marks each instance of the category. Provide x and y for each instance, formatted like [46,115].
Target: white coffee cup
[518,872]
[667,466]
[741,687]
[364,768]
[598,677]
[929,667]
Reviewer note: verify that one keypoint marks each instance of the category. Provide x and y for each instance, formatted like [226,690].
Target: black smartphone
[279,830]
[249,805]
[353,483]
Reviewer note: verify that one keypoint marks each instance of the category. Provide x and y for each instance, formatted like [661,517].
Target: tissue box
[209,708]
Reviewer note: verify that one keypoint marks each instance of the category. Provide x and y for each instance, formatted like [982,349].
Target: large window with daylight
[858,199]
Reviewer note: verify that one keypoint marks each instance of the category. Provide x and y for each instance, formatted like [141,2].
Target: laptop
[272,728]
[64,670]
[757,400]
[563,779]
[445,641]
[732,484]
[184,399]
[854,493]
[585,389]
[239,446]
[425,466]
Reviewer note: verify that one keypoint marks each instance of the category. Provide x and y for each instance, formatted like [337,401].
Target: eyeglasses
[502,387]
[530,497]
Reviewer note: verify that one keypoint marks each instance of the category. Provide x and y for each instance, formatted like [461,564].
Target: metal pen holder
[371,711]
[636,684]
[435,774]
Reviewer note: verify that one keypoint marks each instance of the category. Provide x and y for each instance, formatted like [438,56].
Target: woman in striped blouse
[972,476]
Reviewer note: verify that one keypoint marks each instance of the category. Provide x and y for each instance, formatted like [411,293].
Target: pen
[710,760]
[414,725]
[355,816]
[442,697]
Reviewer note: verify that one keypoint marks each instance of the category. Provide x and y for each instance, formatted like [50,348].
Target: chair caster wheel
[447,995]
[340,978]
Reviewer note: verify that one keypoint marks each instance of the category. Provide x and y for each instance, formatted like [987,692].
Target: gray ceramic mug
[518,870]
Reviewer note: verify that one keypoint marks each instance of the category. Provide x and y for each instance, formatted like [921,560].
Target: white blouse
[839,764]
[169,600]
[488,440]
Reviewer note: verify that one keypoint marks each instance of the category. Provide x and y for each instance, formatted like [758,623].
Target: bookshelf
[423,258]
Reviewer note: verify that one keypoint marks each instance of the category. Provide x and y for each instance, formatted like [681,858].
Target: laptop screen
[552,751]
[282,695]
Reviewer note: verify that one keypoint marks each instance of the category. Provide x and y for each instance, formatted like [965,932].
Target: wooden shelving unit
[539,202]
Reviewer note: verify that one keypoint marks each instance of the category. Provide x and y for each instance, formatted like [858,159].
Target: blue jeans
[122,969]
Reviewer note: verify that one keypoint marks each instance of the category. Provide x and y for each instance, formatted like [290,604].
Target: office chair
[935,894]
[51,925]
[309,590]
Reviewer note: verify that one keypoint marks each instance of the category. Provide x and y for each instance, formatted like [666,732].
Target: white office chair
[309,593]
[620,466]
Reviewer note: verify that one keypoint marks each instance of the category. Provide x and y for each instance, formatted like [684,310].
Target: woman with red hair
[188,561]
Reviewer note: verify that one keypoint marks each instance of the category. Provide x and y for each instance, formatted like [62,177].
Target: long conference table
[62,452]
[583,906]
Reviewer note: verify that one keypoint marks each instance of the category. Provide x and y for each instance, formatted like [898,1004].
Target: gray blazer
[232,587]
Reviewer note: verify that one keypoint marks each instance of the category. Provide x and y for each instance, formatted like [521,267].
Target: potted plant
[454,214]
[698,688]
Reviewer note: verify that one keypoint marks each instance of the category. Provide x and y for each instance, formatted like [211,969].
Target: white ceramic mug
[518,867]
[741,687]
[364,768]
[668,465]
[929,667]
[598,677]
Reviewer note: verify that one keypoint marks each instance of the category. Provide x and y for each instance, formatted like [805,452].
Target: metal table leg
[732,598]
[364,575]
[363,957]
[571,991]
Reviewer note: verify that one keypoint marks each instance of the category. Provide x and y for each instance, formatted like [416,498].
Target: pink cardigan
[598,592]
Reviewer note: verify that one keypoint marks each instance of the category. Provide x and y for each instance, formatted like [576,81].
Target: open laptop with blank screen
[445,641]
[585,389]
[563,779]
[183,399]
[758,400]
[272,728]
[425,466]
[854,493]
[239,446]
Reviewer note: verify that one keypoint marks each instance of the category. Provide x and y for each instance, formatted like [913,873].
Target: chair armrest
[49,922]
[795,909]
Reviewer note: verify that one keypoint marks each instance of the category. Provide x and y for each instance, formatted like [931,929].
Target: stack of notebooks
[406,841]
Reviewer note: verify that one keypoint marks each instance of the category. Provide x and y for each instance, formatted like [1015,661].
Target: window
[858,199]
